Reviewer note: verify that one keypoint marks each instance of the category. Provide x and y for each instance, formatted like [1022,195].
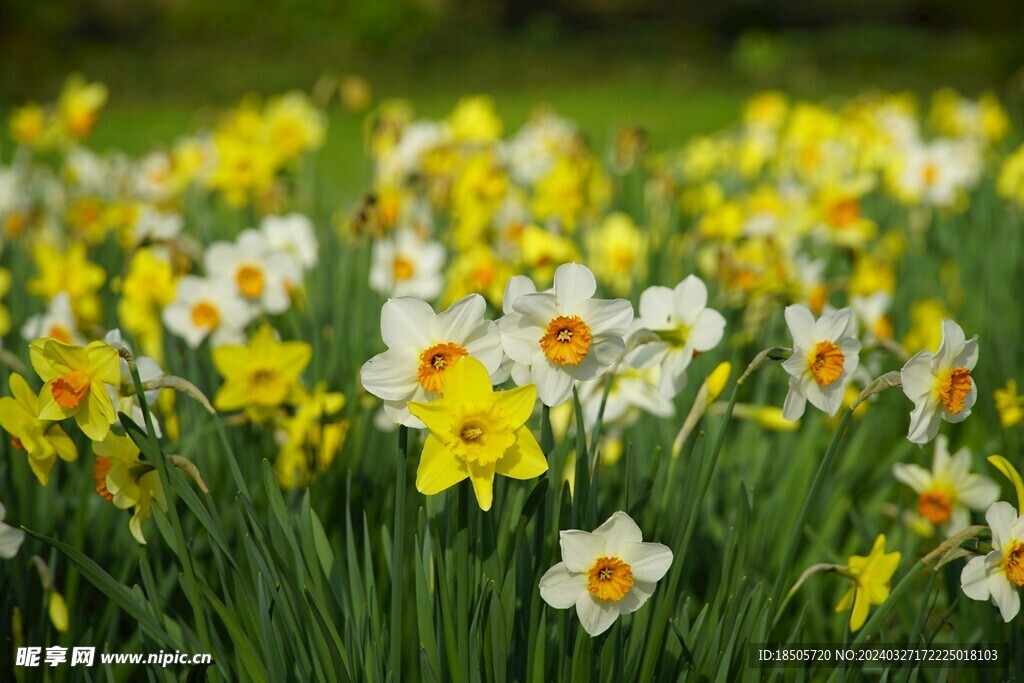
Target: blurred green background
[675,68]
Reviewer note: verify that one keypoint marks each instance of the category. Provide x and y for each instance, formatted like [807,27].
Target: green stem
[191,587]
[805,511]
[547,435]
[397,556]
[462,579]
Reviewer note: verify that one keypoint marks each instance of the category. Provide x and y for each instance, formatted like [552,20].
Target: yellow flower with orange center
[41,440]
[75,378]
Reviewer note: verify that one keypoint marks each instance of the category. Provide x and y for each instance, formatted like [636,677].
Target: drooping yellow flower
[871,576]
[313,436]
[127,481]
[42,441]
[475,433]
[74,379]
[261,375]
[72,272]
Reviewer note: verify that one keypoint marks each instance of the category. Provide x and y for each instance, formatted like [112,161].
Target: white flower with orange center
[260,274]
[565,334]
[293,234]
[948,492]
[685,326]
[999,575]
[406,264]
[57,322]
[940,383]
[606,573]
[207,308]
[825,356]
[422,347]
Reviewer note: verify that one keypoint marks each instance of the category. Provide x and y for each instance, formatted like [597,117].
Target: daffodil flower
[407,264]
[423,347]
[476,433]
[261,375]
[1000,574]
[75,379]
[825,356]
[565,335]
[204,308]
[43,441]
[949,491]
[605,574]
[871,578]
[940,383]
[259,273]
[10,538]
[127,481]
[685,325]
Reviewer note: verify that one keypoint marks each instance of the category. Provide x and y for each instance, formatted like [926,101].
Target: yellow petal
[294,357]
[49,409]
[517,403]
[231,360]
[232,395]
[62,444]
[104,363]
[435,415]
[524,460]
[466,381]
[483,484]
[847,600]
[41,467]
[58,612]
[438,468]
[13,415]
[96,414]
[23,393]
[860,611]
[1011,473]
[52,359]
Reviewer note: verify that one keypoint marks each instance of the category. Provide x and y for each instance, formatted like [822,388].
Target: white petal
[580,549]
[460,320]
[618,530]
[10,540]
[573,285]
[953,340]
[691,297]
[639,593]
[836,325]
[917,377]
[391,375]
[485,345]
[974,579]
[521,374]
[801,326]
[924,421]
[968,358]
[517,286]
[602,354]
[914,476]
[1005,596]
[519,338]
[398,412]
[648,561]
[978,492]
[553,386]
[561,588]
[1001,517]
[406,321]
[656,308]
[596,616]
[537,309]
[673,372]
[707,331]
[796,402]
[607,317]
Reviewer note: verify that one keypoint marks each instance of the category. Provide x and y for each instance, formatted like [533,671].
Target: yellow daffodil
[1009,404]
[476,433]
[75,378]
[871,576]
[474,120]
[261,375]
[79,106]
[618,250]
[41,440]
[29,125]
[313,436]
[127,481]
[69,271]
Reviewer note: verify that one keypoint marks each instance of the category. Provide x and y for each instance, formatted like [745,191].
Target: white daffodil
[207,308]
[940,383]
[153,177]
[566,334]
[998,575]
[10,538]
[686,326]
[825,356]
[260,274]
[57,322]
[634,388]
[949,491]
[422,346]
[606,573]
[406,265]
[517,286]
[156,226]
[294,235]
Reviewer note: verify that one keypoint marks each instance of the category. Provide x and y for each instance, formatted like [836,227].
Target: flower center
[205,315]
[99,473]
[566,341]
[826,363]
[69,390]
[935,506]
[250,281]
[609,578]
[60,333]
[481,435]
[953,389]
[402,269]
[434,362]
[1015,564]
[267,386]
[16,442]
[843,213]
[929,174]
